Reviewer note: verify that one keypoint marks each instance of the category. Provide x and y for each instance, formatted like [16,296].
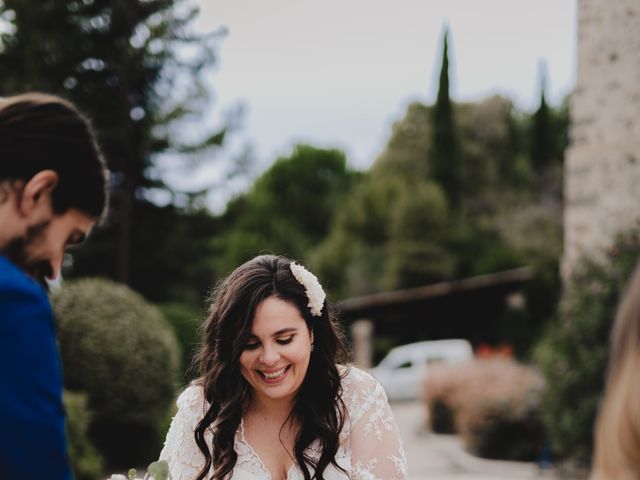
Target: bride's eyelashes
[280,341]
[285,341]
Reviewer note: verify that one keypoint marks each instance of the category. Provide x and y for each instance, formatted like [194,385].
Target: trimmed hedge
[121,351]
[86,461]
[186,321]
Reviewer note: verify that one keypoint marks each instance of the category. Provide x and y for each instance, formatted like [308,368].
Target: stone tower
[602,170]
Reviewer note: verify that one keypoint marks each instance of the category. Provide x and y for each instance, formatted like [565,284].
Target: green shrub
[573,353]
[494,404]
[120,350]
[86,461]
[185,320]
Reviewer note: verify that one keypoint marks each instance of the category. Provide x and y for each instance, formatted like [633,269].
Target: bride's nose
[269,355]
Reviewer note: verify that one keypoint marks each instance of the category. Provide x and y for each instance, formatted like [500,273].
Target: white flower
[312,286]
[117,476]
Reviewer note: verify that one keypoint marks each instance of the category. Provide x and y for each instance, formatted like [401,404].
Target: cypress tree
[445,155]
[541,131]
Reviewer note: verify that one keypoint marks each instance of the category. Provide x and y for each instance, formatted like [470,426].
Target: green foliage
[574,351]
[408,146]
[86,462]
[185,320]
[120,351]
[397,229]
[289,209]
[136,68]
[173,255]
[415,254]
[444,155]
[548,134]
[386,236]
[541,135]
[159,470]
[493,159]
[111,57]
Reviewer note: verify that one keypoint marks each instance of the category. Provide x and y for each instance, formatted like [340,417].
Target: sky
[339,73]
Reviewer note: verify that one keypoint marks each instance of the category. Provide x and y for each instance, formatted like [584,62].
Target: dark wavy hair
[44,132]
[318,409]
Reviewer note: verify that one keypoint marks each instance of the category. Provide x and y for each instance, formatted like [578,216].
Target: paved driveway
[441,457]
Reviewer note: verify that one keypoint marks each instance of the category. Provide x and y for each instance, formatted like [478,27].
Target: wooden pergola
[470,308]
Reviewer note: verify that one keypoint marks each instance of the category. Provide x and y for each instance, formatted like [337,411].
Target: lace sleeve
[180,449]
[376,448]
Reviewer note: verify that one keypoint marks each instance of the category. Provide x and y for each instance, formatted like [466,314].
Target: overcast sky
[338,73]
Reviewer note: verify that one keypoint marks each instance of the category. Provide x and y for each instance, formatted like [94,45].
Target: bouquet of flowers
[155,471]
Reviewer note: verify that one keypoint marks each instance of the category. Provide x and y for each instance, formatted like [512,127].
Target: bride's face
[276,357]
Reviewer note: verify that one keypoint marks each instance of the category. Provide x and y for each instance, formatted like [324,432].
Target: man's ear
[35,195]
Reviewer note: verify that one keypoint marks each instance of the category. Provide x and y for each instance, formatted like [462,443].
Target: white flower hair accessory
[312,287]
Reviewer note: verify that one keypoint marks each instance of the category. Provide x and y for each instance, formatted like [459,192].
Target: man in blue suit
[52,192]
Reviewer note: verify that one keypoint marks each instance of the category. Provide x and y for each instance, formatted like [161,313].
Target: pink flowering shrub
[443,392]
[493,404]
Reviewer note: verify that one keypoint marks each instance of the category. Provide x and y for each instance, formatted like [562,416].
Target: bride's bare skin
[272,440]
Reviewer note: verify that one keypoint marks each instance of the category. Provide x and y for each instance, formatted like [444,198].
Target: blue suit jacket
[32,428]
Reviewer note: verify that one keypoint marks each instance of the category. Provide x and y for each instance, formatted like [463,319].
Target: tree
[134,66]
[418,252]
[542,148]
[289,209]
[445,154]
[172,254]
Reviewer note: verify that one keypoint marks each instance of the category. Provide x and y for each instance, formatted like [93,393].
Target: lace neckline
[257,461]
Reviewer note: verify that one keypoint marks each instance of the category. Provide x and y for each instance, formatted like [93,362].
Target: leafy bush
[86,461]
[443,393]
[185,320]
[494,404]
[574,351]
[120,350]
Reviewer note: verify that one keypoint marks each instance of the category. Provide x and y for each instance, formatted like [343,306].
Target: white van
[403,370]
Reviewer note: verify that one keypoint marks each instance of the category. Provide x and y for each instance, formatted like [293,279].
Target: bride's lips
[273,377]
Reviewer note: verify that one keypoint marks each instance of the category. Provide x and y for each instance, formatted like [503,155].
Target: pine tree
[445,154]
[133,65]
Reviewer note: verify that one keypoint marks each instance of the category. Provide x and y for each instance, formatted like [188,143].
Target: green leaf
[159,470]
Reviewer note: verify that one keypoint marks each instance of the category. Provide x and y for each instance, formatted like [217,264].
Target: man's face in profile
[17,252]
[40,251]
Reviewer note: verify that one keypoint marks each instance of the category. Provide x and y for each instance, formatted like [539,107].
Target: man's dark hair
[44,132]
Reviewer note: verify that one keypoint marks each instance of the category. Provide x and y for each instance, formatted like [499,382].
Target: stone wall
[602,169]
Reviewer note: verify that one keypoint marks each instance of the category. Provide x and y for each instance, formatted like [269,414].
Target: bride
[273,400]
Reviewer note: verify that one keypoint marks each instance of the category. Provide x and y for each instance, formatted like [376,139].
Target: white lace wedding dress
[370,446]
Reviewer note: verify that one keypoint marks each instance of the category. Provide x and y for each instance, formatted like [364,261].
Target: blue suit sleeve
[33,440]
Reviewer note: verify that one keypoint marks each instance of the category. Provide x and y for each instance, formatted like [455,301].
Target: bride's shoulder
[360,392]
[192,398]
[357,383]
[354,378]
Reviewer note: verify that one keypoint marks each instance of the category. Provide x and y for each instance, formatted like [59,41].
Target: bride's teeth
[274,375]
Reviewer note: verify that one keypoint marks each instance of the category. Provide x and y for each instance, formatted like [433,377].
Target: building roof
[500,283]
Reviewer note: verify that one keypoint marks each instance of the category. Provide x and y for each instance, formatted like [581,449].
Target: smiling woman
[275,360]
[275,399]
